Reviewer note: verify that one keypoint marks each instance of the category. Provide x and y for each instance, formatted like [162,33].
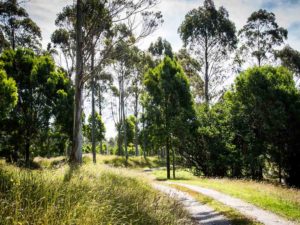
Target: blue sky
[287,12]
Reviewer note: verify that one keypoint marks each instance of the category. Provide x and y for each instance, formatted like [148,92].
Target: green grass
[134,162]
[90,194]
[278,199]
[179,175]
[235,217]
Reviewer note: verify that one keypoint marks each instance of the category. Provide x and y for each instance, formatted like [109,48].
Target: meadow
[89,194]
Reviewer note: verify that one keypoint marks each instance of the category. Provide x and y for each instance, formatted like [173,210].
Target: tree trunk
[13,43]
[206,78]
[100,111]
[162,153]
[12,26]
[136,141]
[280,165]
[168,157]
[120,152]
[144,133]
[124,123]
[93,108]
[76,152]
[123,116]
[173,151]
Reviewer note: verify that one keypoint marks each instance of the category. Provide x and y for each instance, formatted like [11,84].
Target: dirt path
[202,214]
[245,208]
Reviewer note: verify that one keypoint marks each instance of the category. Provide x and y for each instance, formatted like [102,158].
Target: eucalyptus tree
[99,134]
[192,69]
[141,61]
[95,32]
[124,58]
[290,58]
[211,36]
[17,29]
[103,82]
[130,130]
[160,48]
[169,104]
[261,34]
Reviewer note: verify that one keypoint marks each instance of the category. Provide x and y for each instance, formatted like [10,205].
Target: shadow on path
[202,214]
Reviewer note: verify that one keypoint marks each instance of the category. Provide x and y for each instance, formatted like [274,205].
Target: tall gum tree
[211,36]
[261,34]
[118,12]
[17,29]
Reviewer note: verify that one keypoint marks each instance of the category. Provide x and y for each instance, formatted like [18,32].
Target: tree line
[172,104]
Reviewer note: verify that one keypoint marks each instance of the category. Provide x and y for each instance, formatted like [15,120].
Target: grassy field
[278,199]
[90,194]
[112,194]
[110,160]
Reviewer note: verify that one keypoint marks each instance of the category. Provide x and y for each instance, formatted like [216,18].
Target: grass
[134,162]
[90,194]
[181,174]
[235,217]
[55,174]
[275,198]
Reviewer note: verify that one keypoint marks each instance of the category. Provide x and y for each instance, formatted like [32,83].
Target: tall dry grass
[90,194]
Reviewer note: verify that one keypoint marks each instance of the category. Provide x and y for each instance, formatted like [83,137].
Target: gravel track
[202,214]
[245,208]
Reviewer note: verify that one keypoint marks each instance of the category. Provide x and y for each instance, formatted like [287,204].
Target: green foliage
[168,93]
[290,58]
[169,106]
[99,128]
[262,34]
[44,91]
[265,113]
[17,29]
[8,94]
[255,125]
[130,129]
[210,23]
[65,36]
[211,36]
[192,69]
[214,140]
[161,48]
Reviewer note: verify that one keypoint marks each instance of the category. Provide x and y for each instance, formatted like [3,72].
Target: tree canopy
[42,88]
[17,29]
[8,93]
[169,102]
[261,34]
[211,36]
